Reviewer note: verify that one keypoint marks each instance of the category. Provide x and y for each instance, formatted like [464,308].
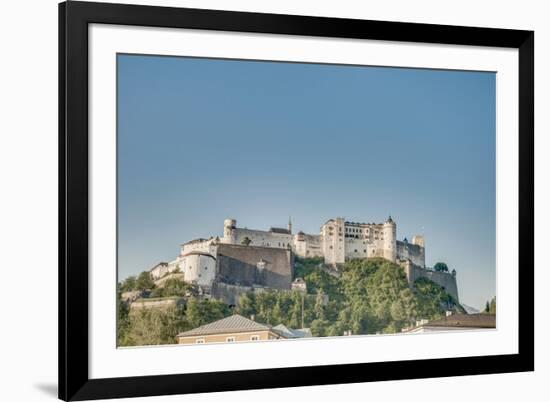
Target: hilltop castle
[244,259]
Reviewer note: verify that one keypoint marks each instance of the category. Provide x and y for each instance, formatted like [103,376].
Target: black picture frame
[74,18]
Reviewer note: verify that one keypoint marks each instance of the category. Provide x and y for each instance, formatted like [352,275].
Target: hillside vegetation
[368,297]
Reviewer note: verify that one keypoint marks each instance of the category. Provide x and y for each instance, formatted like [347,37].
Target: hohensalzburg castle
[244,260]
[337,242]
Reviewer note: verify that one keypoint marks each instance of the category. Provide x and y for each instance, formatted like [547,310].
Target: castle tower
[419,241]
[390,237]
[229,235]
[332,241]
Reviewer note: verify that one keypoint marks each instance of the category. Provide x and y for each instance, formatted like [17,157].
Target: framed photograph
[258,201]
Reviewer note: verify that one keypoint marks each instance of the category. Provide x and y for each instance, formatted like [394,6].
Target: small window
[255,337]
[230,339]
[200,340]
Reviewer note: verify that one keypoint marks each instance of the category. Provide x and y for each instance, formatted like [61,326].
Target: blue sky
[200,140]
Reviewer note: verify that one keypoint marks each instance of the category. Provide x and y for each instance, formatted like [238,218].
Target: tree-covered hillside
[364,297]
[371,296]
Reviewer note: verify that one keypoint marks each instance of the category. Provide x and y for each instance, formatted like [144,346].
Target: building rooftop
[465,321]
[290,333]
[279,230]
[234,323]
[199,240]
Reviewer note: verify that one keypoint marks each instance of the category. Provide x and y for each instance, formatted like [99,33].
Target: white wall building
[337,242]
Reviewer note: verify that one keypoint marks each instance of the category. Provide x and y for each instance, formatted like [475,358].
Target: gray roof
[199,240]
[279,230]
[234,323]
[290,333]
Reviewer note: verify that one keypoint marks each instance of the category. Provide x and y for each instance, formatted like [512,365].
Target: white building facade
[338,241]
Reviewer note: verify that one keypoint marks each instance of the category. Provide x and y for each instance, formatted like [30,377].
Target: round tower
[229,226]
[390,237]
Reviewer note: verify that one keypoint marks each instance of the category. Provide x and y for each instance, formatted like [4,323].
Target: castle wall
[248,266]
[261,238]
[229,293]
[359,248]
[198,268]
[201,245]
[332,245]
[413,252]
[443,279]
[159,270]
[307,246]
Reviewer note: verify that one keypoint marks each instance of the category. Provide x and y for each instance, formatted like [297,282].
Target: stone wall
[248,266]
[261,238]
[229,293]
[409,251]
[443,279]
[307,245]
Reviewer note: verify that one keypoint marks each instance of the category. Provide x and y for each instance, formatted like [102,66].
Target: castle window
[354,251]
[230,339]
[200,340]
[364,251]
[330,247]
[255,337]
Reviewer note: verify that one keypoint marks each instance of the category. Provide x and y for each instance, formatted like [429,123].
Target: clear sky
[201,140]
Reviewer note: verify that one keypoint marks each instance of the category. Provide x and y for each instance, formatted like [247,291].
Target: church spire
[289,225]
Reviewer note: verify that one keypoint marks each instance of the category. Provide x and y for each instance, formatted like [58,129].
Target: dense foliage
[173,287]
[362,297]
[371,296]
[159,326]
[441,267]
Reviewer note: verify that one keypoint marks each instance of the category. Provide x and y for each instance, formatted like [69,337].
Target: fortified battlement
[264,258]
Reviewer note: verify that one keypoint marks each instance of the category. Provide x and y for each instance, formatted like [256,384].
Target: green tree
[144,281]
[319,307]
[404,309]
[441,267]
[246,241]
[204,311]
[174,287]
[128,284]
[491,306]
[154,326]
[123,321]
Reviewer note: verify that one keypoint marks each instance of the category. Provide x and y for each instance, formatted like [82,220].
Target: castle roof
[199,240]
[199,253]
[234,323]
[279,230]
